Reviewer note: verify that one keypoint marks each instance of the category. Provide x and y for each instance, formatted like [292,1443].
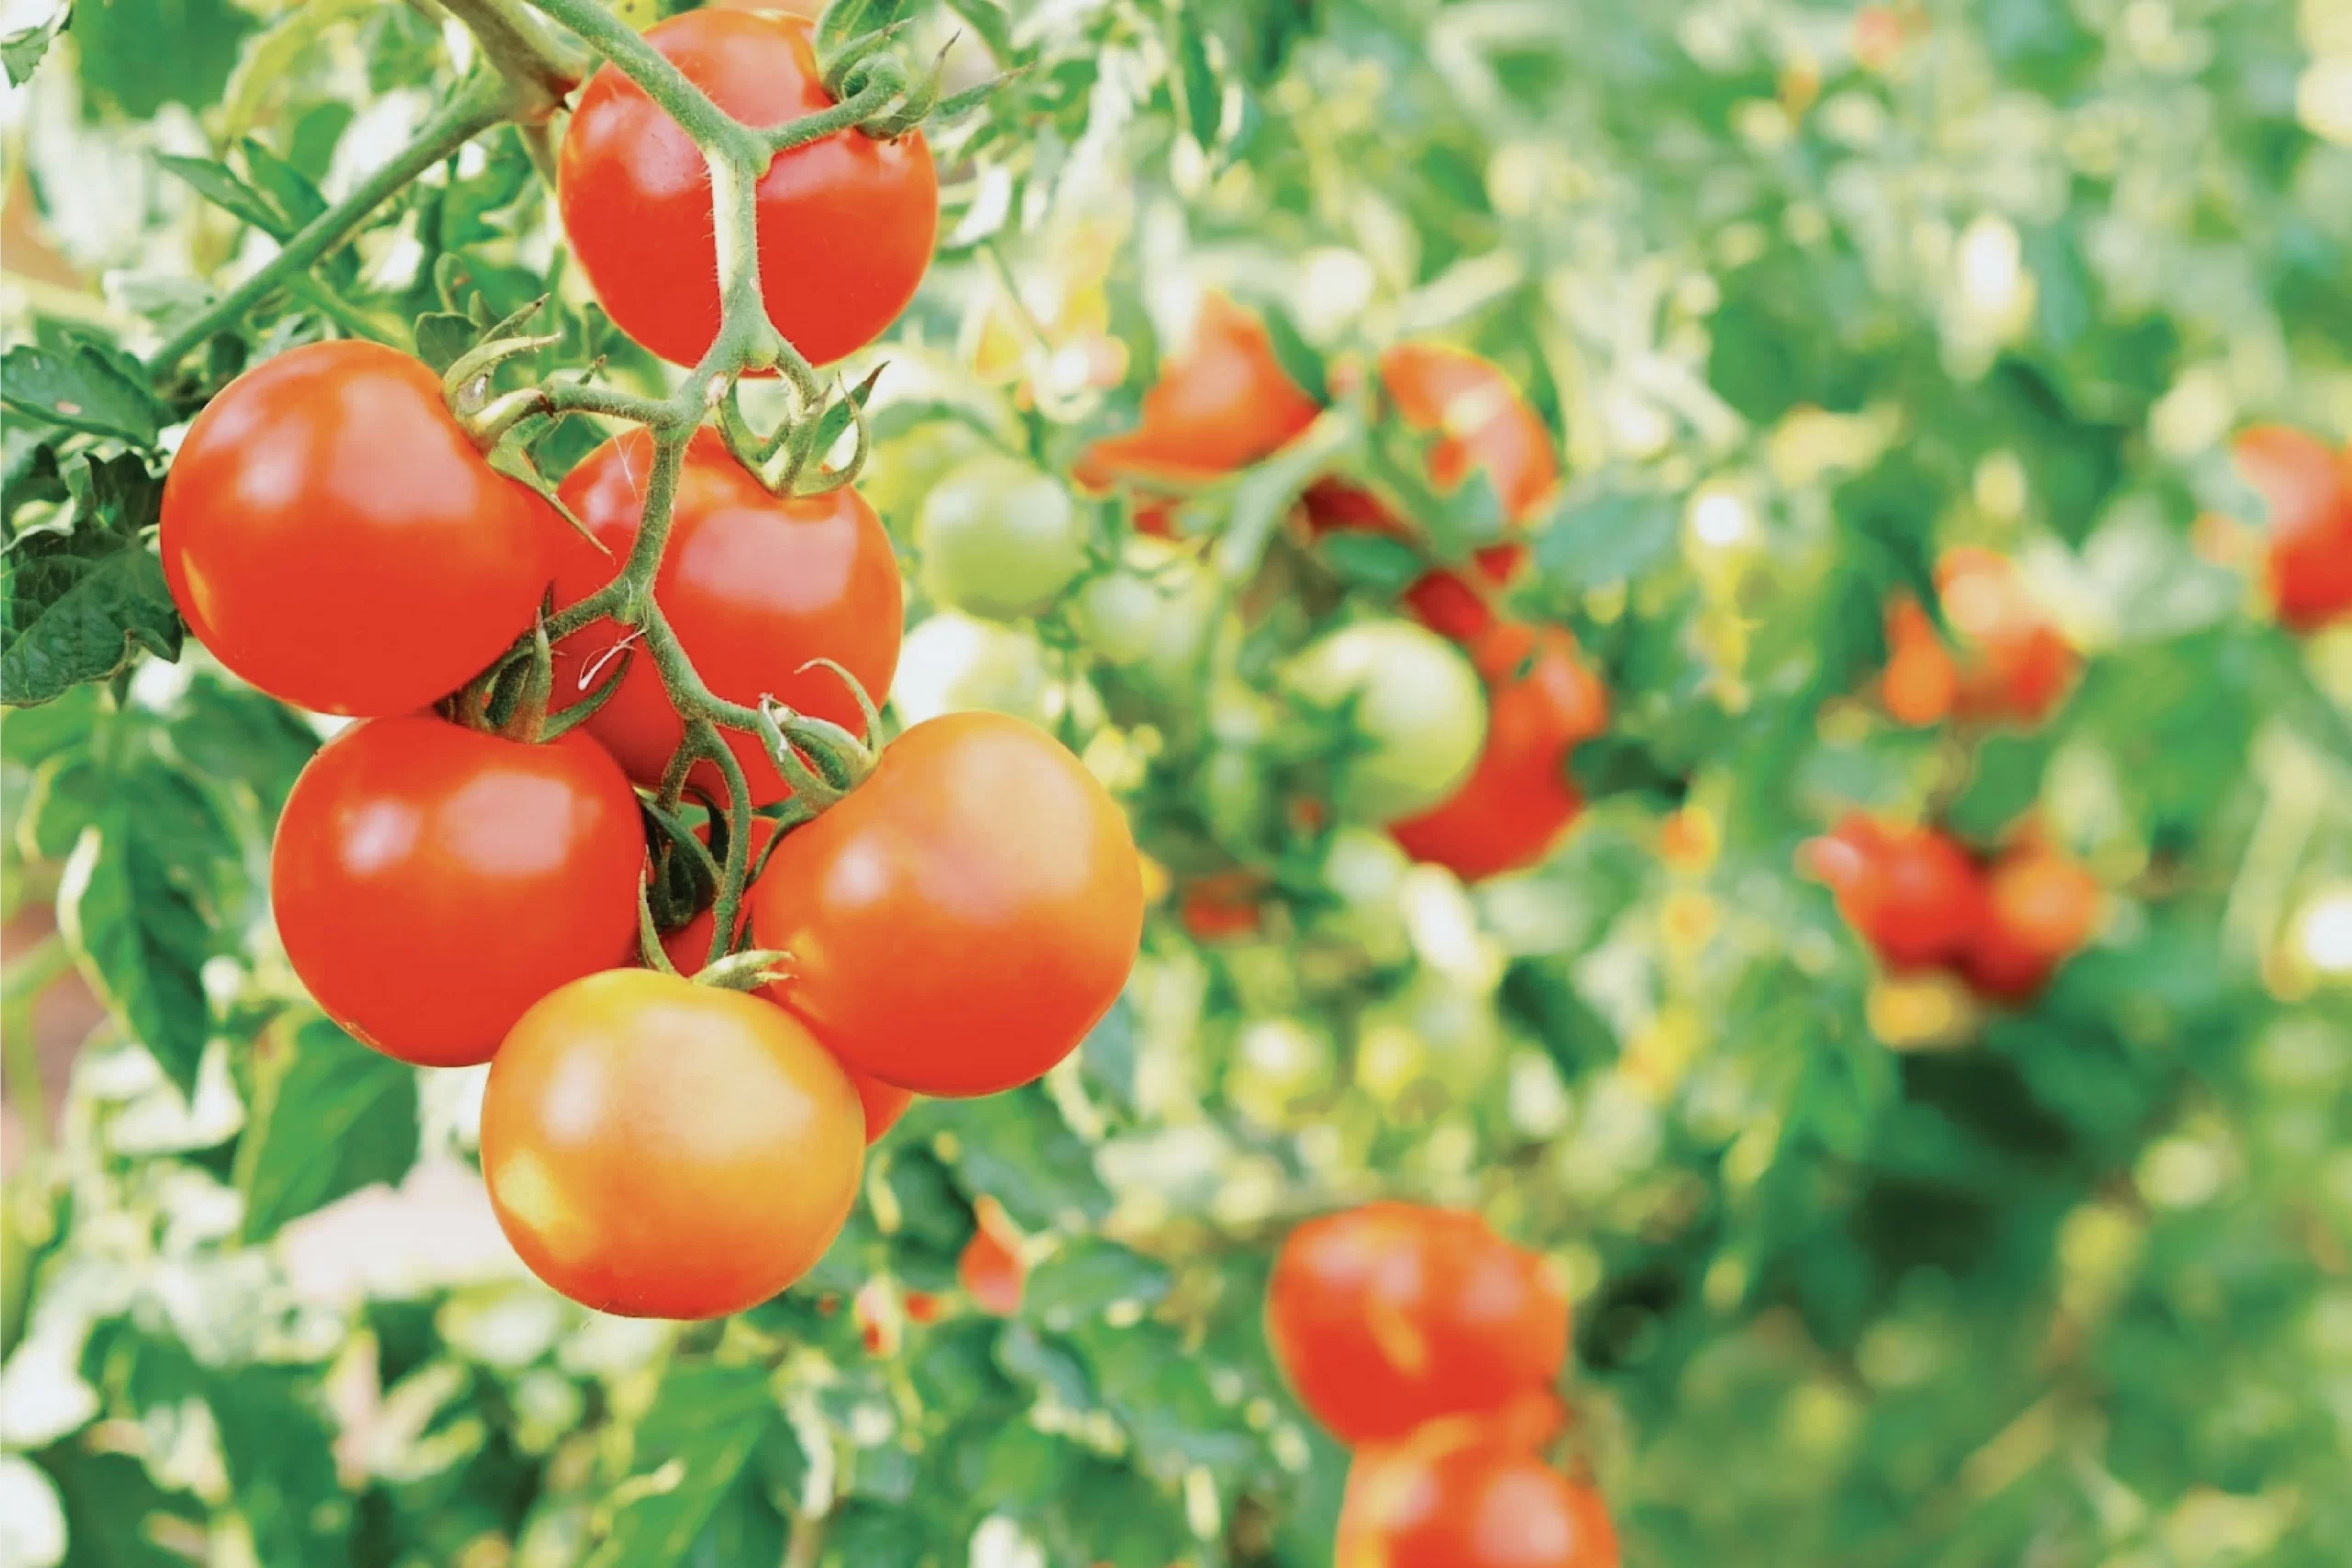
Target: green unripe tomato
[951,664]
[1114,617]
[1419,715]
[900,472]
[999,539]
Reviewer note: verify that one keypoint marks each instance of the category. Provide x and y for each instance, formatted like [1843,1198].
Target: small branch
[541,65]
[480,104]
[711,127]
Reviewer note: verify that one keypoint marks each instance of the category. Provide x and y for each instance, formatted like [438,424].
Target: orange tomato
[990,1268]
[1453,1497]
[1913,894]
[2308,486]
[1223,403]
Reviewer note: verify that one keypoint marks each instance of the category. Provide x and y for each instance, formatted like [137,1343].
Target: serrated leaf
[700,1433]
[218,185]
[76,601]
[329,1117]
[21,52]
[443,338]
[140,941]
[85,388]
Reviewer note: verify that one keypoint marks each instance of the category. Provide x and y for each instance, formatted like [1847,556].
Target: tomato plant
[431,883]
[318,504]
[981,842]
[656,1148]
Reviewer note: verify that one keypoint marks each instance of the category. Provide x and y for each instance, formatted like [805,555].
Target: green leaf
[443,337]
[1199,102]
[141,939]
[22,50]
[289,190]
[116,1516]
[691,1447]
[138,55]
[76,603]
[1607,540]
[1107,1057]
[279,1450]
[329,1117]
[1016,1148]
[218,184]
[86,387]
[1374,564]
[1088,1277]
[1294,353]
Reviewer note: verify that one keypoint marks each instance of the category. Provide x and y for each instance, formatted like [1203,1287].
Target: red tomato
[962,918]
[990,1269]
[1541,703]
[657,1148]
[2018,666]
[754,585]
[845,222]
[1483,424]
[334,537]
[1223,904]
[2041,909]
[2308,486]
[688,948]
[1451,1498]
[1224,403]
[1922,682]
[1913,894]
[432,882]
[1390,1315]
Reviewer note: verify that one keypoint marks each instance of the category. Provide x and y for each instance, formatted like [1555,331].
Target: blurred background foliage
[1867,1272]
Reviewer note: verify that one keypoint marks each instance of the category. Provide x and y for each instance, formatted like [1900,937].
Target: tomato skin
[755,586]
[2308,485]
[688,949]
[1541,703]
[981,844]
[1419,715]
[334,538]
[1452,1498]
[2019,668]
[1391,1315]
[1224,403]
[2041,908]
[845,222]
[431,882]
[999,539]
[657,1148]
[1913,894]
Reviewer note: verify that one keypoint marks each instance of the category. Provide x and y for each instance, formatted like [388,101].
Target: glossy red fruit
[2041,908]
[334,538]
[1913,893]
[1451,1498]
[2308,486]
[1391,1315]
[754,585]
[2017,667]
[1541,703]
[1224,403]
[431,883]
[845,222]
[657,1148]
[688,949]
[958,921]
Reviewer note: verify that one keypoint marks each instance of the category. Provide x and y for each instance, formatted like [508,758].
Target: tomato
[1418,716]
[2308,486]
[2018,666]
[688,949]
[990,1267]
[1452,1497]
[1390,1315]
[657,1148]
[960,919]
[334,538]
[955,664]
[1922,681]
[2041,907]
[1115,616]
[754,585]
[1541,702]
[1221,404]
[1482,425]
[845,222]
[904,468]
[432,882]
[1913,894]
[999,539]
[1222,905]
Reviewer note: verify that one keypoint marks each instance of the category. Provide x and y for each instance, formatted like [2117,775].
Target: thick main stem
[480,104]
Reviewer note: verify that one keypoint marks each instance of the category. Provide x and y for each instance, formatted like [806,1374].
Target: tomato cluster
[1923,900]
[1432,1348]
[2008,663]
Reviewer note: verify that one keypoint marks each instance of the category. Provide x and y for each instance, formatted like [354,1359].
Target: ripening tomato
[990,1267]
[1417,714]
[332,535]
[1913,894]
[688,949]
[2018,666]
[1452,1497]
[1390,1315]
[999,539]
[2041,908]
[432,882]
[1224,403]
[845,222]
[2308,486]
[755,585]
[1541,703]
[1922,681]
[657,1148]
[1482,425]
[959,920]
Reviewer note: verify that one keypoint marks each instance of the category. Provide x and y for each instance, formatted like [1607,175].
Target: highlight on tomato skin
[431,882]
[1454,1497]
[1390,1315]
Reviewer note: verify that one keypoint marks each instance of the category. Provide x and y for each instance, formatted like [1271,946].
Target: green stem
[735,876]
[480,104]
[543,66]
[712,128]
